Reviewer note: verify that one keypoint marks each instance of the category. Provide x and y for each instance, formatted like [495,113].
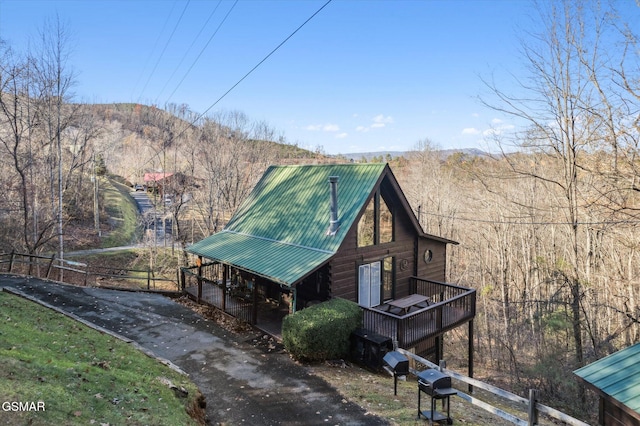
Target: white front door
[369,284]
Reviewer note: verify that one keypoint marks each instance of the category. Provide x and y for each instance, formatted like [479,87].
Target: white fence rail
[530,406]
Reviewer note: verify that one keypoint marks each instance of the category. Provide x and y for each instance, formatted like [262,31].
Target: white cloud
[471,131]
[499,129]
[342,135]
[323,127]
[380,120]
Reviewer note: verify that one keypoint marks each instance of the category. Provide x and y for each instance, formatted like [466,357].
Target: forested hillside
[547,225]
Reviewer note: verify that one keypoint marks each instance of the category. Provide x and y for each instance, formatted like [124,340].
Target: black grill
[437,385]
[433,382]
[397,365]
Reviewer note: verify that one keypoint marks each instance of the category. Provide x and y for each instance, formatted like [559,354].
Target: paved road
[242,384]
[153,219]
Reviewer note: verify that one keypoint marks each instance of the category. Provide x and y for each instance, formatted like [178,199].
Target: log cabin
[309,233]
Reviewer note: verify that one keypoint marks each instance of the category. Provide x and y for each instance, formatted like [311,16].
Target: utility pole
[96,207]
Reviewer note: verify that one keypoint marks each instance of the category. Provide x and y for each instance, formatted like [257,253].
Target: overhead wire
[193,121]
[525,223]
[202,50]
[155,67]
[260,63]
[152,51]
[186,53]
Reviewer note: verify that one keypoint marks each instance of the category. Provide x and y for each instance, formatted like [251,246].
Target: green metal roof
[280,230]
[616,375]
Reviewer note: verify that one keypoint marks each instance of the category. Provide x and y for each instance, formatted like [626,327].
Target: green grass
[122,210]
[82,376]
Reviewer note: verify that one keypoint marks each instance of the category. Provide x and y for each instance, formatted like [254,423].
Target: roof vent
[334,223]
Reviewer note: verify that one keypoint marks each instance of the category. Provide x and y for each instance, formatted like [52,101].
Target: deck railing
[450,307]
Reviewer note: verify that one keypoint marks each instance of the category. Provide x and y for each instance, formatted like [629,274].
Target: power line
[513,222]
[191,123]
[262,61]
[154,48]
[202,50]
[189,50]
[175,27]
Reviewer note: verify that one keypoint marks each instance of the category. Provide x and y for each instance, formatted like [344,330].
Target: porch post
[471,354]
[294,300]
[224,287]
[254,310]
[199,263]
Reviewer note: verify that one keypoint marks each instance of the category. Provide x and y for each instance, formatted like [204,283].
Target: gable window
[376,223]
[386,223]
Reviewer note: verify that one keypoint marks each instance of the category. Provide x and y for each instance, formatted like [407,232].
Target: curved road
[241,383]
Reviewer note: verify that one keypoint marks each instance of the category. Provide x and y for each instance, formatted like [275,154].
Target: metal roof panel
[284,264]
[617,375]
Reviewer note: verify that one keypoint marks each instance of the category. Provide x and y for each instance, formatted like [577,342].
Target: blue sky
[360,76]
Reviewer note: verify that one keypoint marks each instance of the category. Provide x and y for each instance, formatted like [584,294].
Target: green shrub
[322,331]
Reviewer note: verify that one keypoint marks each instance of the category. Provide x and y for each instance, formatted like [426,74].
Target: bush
[322,331]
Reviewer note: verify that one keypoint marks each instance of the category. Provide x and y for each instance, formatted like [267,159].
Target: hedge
[322,331]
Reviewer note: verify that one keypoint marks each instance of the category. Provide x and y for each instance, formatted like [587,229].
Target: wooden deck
[450,307]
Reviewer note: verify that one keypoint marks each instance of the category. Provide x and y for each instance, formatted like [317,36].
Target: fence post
[13,253]
[533,411]
[442,365]
[50,265]
[181,280]
[148,278]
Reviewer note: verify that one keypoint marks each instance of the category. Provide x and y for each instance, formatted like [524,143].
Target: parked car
[138,187]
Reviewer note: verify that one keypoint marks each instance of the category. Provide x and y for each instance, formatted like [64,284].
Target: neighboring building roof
[156,177]
[617,376]
[280,230]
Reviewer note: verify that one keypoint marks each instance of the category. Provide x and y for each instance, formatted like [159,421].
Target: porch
[247,300]
[432,308]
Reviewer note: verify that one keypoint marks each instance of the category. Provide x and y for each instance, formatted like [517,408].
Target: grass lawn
[122,210]
[81,376]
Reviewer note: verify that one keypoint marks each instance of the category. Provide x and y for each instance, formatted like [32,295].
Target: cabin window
[376,223]
[366,227]
[386,223]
